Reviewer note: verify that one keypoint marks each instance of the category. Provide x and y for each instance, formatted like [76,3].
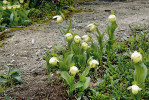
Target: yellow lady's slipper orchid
[134,88]
[77,39]
[112,18]
[93,63]
[86,38]
[9,7]
[18,6]
[84,45]
[4,8]
[69,36]
[53,61]
[136,57]
[59,18]
[14,6]
[5,2]
[21,1]
[92,27]
[73,70]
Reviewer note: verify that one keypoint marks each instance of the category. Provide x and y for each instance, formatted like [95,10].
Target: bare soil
[25,48]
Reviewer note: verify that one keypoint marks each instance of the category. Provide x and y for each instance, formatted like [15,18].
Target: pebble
[33,41]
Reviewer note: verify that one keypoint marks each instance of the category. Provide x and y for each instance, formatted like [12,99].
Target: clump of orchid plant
[82,58]
[140,72]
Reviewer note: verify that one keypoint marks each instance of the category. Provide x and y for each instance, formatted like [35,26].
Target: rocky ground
[25,48]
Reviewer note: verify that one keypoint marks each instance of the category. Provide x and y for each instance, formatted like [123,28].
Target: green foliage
[16,15]
[11,78]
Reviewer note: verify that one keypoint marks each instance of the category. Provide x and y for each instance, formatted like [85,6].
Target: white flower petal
[56,16]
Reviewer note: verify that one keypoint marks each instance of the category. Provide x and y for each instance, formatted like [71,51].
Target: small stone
[38,52]
[85,98]
[33,41]
[12,55]
[12,61]
[49,46]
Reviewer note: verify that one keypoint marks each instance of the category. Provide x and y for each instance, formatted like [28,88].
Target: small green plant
[83,82]
[11,78]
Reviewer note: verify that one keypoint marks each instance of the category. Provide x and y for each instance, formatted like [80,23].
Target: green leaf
[73,64]
[69,79]
[76,49]
[15,73]
[85,73]
[112,12]
[75,34]
[82,78]
[141,51]
[3,79]
[70,25]
[69,59]
[82,60]
[62,30]
[87,82]
[77,85]
[18,79]
[62,38]
[1,90]
[17,76]
[11,17]
[7,67]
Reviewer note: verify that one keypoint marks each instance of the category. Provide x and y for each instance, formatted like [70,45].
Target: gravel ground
[25,48]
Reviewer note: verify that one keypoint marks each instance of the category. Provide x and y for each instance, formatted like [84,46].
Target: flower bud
[59,18]
[53,61]
[84,45]
[92,27]
[9,7]
[93,63]
[5,2]
[21,1]
[86,38]
[73,70]
[77,39]
[4,8]
[112,18]
[134,88]
[69,36]
[136,57]
[18,6]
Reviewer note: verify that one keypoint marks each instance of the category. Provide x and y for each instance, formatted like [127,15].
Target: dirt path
[25,49]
